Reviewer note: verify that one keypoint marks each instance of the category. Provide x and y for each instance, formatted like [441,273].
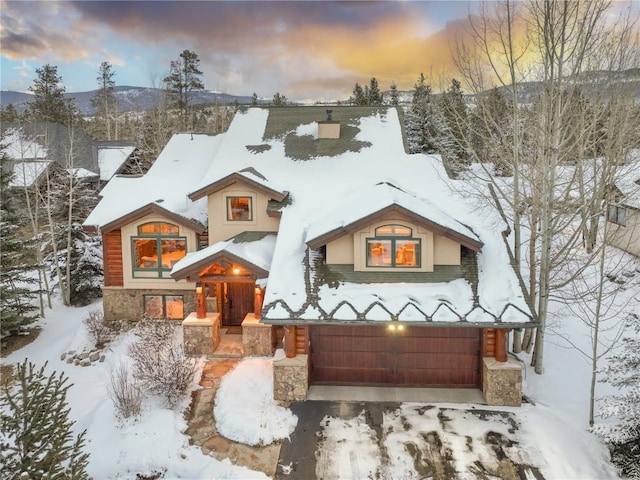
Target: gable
[258,183]
[151,209]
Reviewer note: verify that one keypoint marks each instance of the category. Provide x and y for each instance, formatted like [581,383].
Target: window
[393,246]
[156,249]
[239,209]
[170,307]
[617,215]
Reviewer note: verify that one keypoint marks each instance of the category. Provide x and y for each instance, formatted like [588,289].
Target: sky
[304,50]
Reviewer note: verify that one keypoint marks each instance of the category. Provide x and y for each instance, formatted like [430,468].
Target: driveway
[360,440]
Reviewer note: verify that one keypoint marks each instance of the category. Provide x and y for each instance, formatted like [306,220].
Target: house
[117,158]
[368,261]
[623,209]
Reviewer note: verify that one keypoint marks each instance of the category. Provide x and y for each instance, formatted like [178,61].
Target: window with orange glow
[156,249]
[170,307]
[239,209]
[393,247]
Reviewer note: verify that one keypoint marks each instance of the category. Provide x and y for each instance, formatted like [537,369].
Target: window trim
[393,239]
[163,296]
[227,200]
[159,238]
[617,211]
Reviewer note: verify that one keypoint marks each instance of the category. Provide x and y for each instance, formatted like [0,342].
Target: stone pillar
[201,336]
[256,337]
[502,382]
[291,378]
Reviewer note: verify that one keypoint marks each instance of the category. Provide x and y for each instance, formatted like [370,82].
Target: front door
[240,301]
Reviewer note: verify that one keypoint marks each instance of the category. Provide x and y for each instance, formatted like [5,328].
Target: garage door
[418,356]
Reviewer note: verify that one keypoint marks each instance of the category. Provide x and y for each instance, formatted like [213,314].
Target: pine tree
[374,95]
[279,100]
[423,123]
[359,97]
[17,296]
[394,94]
[184,79]
[9,114]
[454,111]
[104,101]
[49,104]
[76,261]
[254,99]
[37,438]
[623,372]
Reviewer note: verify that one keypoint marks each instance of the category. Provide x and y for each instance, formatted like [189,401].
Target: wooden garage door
[419,356]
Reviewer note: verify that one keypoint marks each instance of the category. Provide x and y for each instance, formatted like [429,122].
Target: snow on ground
[552,432]
[245,410]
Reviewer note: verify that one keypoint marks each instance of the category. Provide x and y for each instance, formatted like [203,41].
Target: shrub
[98,329]
[125,392]
[159,366]
[37,437]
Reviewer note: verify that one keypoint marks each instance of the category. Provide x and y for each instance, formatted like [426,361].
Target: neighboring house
[367,260]
[116,158]
[623,210]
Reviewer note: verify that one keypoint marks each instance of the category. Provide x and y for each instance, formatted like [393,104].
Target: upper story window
[156,249]
[239,209]
[393,246]
[617,214]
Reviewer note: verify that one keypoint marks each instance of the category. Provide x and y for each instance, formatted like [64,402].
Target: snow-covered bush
[98,329]
[623,372]
[125,392]
[159,365]
[37,438]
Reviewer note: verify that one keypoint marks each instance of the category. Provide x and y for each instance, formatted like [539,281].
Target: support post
[501,345]
[201,304]
[257,302]
[290,341]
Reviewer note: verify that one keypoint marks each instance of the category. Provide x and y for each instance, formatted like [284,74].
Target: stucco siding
[166,282]
[445,251]
[340,251]
[626,237]
[222,229]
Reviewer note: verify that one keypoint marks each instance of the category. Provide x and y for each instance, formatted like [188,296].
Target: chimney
[329,128]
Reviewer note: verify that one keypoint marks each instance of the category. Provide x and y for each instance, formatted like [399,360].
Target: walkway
[202,426]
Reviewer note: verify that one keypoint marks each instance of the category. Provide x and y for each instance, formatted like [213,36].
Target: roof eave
[153,208]
[237,178]
[188,273]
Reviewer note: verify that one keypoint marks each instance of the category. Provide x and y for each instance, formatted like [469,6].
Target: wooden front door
[240,298]
[419,356]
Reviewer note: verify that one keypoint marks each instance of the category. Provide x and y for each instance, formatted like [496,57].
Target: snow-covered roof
[180,165]
[25,174]
[82,173]
[366,202]
[110,159]
[258,252]
[321,182]
[19,146]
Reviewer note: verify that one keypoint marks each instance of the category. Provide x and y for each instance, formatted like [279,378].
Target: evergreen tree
[76,258]
[9,114]
[37,438]
[394,94]
[49,104]
[17,296]
[184,79]
[623,372]
[454,111]
[423,123]
[104,101]
[374,95]
[491,135]
[279,100]
[359,97]
[254,99]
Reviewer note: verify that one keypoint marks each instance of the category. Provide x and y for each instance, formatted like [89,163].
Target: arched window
[156,249]
[393,246]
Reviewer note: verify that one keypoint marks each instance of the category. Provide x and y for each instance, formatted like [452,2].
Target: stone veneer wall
[290,377]
[201,336]
[257,338]
[502,382]
[127,304]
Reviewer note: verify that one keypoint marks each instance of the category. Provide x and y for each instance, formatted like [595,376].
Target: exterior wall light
[236,271]
[395,327]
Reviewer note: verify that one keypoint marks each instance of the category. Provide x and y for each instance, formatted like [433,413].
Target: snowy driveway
[403,441]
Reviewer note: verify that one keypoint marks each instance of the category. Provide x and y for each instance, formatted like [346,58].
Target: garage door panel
[370,355]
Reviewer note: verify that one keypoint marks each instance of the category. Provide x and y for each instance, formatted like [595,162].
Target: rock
[63,356]
[72,352]
[94,357]
[85,362]
[82,356]
[101,358]
[69,359]
[76,362]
